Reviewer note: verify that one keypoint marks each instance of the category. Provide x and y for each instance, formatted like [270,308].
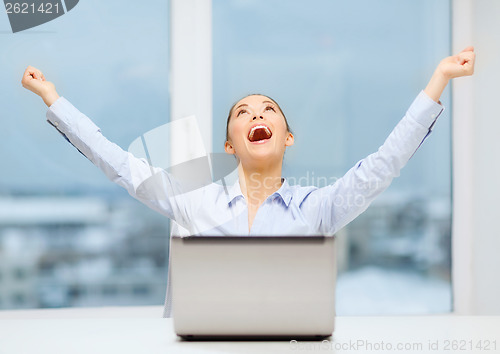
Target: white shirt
[212,210]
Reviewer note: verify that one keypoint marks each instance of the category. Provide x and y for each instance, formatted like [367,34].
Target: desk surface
[137,331]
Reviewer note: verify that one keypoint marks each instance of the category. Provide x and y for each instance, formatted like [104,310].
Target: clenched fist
[449,68]
[34,81]
[458,65]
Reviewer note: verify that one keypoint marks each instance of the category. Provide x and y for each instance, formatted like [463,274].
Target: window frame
[463,228]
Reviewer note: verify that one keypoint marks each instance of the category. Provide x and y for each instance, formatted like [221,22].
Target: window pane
[68,235]
[344,73]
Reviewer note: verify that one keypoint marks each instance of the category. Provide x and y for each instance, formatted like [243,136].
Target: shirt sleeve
[338,204]
[152,186]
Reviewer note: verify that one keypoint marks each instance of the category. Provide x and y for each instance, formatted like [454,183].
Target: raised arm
[338,204]
[153,186]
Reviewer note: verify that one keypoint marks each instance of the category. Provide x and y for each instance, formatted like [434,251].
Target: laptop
[261,287]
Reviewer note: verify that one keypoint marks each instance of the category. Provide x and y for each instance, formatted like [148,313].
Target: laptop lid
[259,286]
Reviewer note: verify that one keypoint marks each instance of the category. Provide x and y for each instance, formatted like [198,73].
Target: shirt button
[56,124]
[433,116]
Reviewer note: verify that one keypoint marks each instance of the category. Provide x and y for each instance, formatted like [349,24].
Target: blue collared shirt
[215,210]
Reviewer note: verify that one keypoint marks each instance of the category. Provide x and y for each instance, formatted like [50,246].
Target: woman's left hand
[458,65]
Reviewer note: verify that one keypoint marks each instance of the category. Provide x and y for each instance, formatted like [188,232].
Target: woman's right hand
[34,81]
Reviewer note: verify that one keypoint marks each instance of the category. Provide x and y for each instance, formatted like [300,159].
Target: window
[58,211]
[18,299]
[109,290]
[140,290]
[19,273]
[345,72]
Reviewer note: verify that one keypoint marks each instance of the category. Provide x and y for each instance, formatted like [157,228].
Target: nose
[254,118]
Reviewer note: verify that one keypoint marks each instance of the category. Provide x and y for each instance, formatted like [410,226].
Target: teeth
[258,127]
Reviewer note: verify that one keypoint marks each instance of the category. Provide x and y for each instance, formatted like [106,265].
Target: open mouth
[259,132]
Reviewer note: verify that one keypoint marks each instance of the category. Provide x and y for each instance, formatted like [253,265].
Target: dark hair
[254,94]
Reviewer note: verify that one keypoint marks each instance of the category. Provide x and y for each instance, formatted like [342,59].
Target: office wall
[487,160]
[477,161]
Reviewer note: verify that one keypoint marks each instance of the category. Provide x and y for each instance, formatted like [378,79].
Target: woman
[261,201]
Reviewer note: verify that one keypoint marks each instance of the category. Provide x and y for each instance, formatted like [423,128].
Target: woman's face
[257,131]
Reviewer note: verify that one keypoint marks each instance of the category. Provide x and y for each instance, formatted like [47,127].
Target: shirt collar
[234,191]
[284,192]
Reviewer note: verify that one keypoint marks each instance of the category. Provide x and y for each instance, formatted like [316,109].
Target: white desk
[142,330]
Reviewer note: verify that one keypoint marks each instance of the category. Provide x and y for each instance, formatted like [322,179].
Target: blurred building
[57,252]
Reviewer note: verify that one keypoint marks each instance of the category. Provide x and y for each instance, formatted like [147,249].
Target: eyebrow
[241,105]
